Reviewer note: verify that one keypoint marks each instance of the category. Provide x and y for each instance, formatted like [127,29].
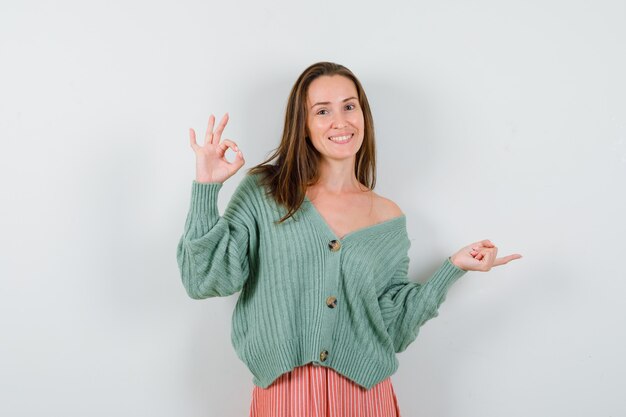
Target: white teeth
[340,138]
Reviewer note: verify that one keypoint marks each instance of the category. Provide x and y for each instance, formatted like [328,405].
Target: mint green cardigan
[306,295]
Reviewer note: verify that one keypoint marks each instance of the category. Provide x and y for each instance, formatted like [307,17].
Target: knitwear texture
[286,273]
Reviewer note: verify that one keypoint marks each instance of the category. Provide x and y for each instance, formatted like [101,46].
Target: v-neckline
[318,219]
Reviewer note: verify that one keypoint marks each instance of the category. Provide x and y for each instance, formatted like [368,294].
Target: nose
[339,121]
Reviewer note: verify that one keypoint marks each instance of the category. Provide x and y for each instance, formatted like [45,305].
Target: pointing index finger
[506,259]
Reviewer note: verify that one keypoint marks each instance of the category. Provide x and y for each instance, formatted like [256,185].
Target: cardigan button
[331,302]
[334,245]
[323,355]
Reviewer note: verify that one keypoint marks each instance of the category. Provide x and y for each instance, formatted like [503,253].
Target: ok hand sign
[211,166]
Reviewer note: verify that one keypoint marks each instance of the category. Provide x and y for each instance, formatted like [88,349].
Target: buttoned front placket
[331,286]
[330,301]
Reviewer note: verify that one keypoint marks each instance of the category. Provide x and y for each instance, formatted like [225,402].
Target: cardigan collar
[314,216]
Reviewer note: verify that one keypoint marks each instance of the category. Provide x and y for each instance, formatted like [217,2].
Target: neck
[338,177]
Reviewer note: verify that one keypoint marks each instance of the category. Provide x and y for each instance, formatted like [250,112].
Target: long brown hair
[297,165]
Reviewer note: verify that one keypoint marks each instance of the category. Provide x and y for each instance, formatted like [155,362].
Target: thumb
[239,158]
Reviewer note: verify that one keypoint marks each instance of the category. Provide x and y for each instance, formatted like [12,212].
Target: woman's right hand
[211,166]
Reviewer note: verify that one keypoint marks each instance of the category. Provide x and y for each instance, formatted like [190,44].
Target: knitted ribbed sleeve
[406,305]
[212,254]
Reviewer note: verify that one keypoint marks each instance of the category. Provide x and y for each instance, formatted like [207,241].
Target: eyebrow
[328,102]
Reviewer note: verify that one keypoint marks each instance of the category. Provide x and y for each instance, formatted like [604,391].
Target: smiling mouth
[341,139]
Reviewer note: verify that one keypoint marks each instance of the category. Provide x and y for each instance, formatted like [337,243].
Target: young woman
[321,260]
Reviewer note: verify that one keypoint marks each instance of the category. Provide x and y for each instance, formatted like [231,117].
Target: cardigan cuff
[203,211]
[445,276]
[204,198]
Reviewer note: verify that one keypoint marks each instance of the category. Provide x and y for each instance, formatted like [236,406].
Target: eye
[321,111]
[353,106]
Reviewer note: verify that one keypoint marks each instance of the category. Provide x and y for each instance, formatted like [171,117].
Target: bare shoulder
[387,208]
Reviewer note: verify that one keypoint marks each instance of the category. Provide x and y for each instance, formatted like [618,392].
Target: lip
[340,134]
[349,140]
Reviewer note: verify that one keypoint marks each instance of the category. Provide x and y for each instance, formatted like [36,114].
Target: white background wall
[499,120]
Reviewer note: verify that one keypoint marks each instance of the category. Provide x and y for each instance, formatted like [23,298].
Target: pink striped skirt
[319,391]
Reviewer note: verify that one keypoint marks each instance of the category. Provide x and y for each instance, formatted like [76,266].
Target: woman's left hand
[480,256]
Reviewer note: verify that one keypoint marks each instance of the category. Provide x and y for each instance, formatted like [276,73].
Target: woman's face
[333,111]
